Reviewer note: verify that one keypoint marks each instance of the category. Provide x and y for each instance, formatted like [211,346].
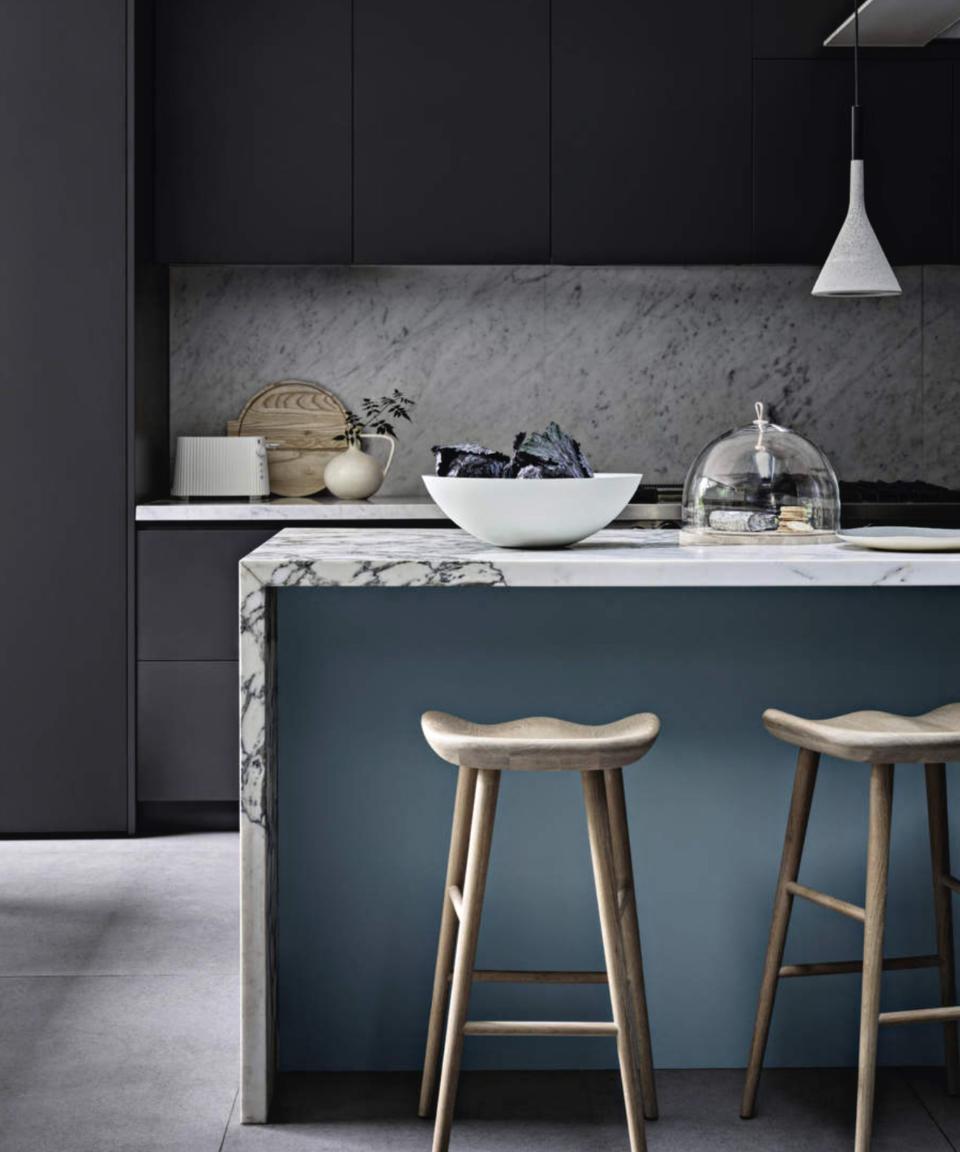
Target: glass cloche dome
[761,484]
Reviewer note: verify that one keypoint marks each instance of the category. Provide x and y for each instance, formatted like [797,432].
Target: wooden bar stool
[482,752]
[881,740]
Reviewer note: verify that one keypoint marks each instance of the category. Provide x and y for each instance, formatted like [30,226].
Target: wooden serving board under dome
[300,422]
[707,538]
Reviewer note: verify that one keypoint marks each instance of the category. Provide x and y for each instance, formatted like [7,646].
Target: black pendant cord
[855,118]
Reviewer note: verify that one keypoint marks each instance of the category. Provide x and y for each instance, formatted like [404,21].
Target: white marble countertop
[326,508]
[620,557]
[439,557]
[279,509]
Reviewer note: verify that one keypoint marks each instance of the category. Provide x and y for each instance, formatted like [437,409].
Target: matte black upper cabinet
[253,131]
[651,131]
[797,27]
[802,118]
[451,131]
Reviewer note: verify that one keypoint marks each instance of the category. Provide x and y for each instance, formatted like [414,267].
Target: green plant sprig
[376,416]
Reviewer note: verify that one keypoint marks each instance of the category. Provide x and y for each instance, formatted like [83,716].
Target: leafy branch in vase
[376,416]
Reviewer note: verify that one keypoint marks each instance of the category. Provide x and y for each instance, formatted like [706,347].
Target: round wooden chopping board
[299,421]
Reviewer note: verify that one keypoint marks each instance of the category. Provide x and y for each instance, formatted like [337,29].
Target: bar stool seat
[881,739]
[540,743]
[874,737]
[482,753]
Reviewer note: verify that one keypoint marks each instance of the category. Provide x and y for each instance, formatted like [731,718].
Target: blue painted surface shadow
[365,811]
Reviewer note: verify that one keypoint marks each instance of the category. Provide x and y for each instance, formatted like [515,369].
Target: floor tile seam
[920,1100]
[226,1127]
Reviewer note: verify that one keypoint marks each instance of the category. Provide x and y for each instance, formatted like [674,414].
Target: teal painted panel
[365,809]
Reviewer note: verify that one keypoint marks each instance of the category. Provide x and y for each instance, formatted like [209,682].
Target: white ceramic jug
[355,475]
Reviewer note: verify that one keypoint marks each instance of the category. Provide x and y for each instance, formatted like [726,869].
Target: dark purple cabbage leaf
[547,455]
[552,451]
[470,460]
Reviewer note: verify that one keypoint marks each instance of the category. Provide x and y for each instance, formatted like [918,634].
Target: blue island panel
[365,810]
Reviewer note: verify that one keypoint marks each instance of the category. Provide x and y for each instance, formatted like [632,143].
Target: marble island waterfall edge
[395,558]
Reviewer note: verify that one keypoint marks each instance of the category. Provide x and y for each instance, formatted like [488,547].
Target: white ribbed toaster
[221,466]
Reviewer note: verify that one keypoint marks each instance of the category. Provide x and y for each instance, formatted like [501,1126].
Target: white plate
[891,538]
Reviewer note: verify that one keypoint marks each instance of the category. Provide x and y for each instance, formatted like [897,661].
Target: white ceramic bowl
[533,513]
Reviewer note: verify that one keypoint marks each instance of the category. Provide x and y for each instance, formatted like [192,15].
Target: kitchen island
[439,559]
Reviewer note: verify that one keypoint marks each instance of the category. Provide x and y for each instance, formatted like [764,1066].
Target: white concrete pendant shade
[856,265]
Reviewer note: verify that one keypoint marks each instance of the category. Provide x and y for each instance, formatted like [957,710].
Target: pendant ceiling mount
[856,266]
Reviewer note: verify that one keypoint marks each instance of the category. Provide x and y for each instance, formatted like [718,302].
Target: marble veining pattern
[385,558]
[645,365]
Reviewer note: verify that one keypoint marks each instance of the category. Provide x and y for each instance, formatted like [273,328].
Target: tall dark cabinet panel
[253,131]
[651,131]
[802,154]
[62,376]
[451,131]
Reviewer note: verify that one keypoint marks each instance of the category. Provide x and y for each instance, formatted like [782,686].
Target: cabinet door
[451,131]
[187,730]
[802,157]
[187,591]
[651,131]
[253,131]
[63,587]
[793,28]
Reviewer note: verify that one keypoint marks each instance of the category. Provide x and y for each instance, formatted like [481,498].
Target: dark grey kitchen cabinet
[802,153]
[253,131]
[187,729]
[956,162]
[650,131]
[798,27]
[451,131]
[187,591]
[187,671]
[63,302]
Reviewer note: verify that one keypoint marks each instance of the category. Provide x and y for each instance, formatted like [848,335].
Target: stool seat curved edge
[874,737]
[540,743]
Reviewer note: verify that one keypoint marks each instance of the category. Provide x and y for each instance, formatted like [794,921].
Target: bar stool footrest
[539,1028]
[535,976]
[920,1015]
[839,967]
[844,907]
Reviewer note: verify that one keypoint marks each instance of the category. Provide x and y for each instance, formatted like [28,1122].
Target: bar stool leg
[878,856]
[630,932]
[804,782]
[601,852]
[942,900]
[456,868]
[478,856]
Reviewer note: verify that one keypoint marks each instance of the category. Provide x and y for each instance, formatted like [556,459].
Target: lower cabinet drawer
[187,590]
[187,730]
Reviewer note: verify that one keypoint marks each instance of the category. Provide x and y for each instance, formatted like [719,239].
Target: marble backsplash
[643,365]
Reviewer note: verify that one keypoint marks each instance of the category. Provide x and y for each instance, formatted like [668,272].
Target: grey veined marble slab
[644,365]
[414,558]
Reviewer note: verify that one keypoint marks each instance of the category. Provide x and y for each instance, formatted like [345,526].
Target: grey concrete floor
[119,1033]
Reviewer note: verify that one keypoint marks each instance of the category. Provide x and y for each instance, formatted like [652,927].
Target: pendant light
[856,265]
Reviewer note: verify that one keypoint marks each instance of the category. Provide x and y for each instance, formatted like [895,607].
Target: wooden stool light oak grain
[539,744]
[880,739]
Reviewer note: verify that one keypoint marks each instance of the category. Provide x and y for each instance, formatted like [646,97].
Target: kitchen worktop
[319,508]
[392,558]
[620,557]
[325,508]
